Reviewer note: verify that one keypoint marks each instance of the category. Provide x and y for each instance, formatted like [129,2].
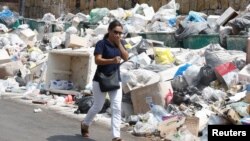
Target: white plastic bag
[183,134]
[55,41]
[48,17]
[192,76]
[248,8]
[118,13]
[166,12]
[241,108]
[4,41]
[3,28]
[16,40]
[211,94]
[147,127]
[71,30]
[140,77]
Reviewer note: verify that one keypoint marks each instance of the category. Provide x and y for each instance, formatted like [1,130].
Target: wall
[37,8]
[12,5]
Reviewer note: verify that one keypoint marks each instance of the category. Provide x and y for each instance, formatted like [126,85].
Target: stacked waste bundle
[203,86]
[9,18]
[161,85]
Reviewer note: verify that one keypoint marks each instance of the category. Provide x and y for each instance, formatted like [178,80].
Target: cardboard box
[227,73]
[4,56]
[74,41]
[10,69]
[244,75]
[170,125]
[27,34]
[233,116]
[75,66]
[229,14]
[193,125]
[156,92]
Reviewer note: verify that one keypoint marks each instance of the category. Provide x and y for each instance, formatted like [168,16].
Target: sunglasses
[117,32]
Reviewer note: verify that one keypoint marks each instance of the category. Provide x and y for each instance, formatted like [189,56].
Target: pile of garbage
[170,93]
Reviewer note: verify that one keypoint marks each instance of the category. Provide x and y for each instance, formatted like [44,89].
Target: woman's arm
[124,53]
[101,61]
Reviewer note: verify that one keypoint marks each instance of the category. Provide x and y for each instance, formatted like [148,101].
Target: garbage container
[167,38]
[200,41]
[236,42]
[39,26]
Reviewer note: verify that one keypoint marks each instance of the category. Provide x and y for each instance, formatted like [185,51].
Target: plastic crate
[236,42]
[167,38]
[200,41]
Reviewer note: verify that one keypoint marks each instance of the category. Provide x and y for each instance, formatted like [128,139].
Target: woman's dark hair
[112,25]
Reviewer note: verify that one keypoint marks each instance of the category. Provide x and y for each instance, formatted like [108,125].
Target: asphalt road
[18,122]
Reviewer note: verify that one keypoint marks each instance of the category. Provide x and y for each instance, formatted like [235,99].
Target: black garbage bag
[239,63]
[179,83]
[240,22]
[19,79]
[85,103]
[207,75]
[183,95]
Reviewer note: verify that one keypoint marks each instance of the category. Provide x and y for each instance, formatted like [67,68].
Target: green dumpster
[167,38]
[15,24]
[200,41]
[67,25]
[39,26]
[236,42]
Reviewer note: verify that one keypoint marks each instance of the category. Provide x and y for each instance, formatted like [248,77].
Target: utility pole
[21,7]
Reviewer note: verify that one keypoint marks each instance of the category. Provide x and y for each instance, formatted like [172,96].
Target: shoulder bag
[108,82]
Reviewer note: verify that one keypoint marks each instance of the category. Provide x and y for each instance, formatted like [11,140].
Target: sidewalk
[102,120]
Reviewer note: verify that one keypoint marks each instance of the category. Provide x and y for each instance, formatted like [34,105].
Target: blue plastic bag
[7,17]
[194,17]
[172,22]
[182,69]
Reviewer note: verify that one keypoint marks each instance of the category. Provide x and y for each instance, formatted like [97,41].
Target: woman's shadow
[77,137]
